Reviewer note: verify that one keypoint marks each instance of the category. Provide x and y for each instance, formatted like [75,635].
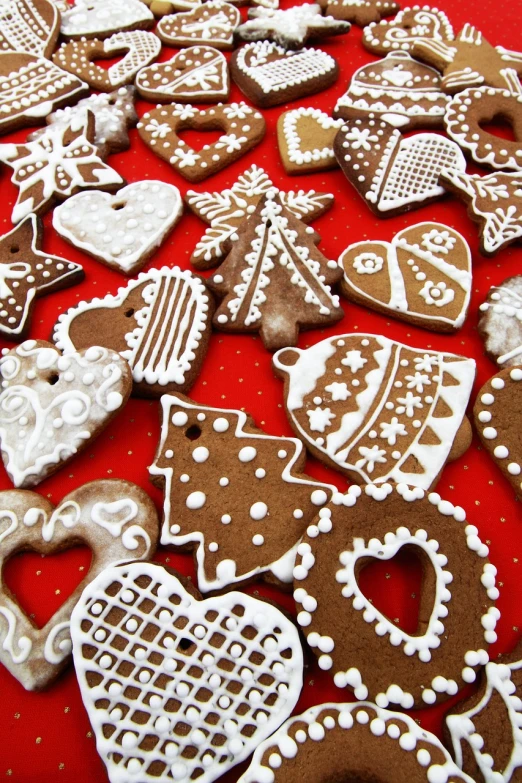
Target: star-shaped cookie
[26,273]
[57,165]
[224,211]
[290,28]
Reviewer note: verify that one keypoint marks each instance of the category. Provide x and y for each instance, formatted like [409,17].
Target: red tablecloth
[46,737]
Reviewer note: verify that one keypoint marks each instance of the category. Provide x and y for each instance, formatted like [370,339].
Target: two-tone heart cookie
[212,23]
[199,73]
[305,138]
[114,518]
[30,26]
[423,276]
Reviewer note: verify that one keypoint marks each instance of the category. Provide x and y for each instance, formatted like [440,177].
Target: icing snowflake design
[339,391]
[409,404]
[237,111]
[417,381]
[320,419]
[354,360]
[230,142]
[425,363]
[437,294]
[368,263]
[186,157]
[158,130]
[289,28]
[360,138]
[370,456]
[392,430]
[437,242]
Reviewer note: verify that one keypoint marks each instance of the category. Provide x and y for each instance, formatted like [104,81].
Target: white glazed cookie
[211,23]
[114,518]
[500,324]
[290,28]
[230,668]
[160,323]
[236,496]
[123,230]
[305,137]
[199,73]
[360,646]
[52,406]
[378,410]
[30,26]
[357,741]
[101,18]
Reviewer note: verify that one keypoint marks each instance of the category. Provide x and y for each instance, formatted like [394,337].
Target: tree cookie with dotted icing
[500,324]
[199,73]
[212,23]
[275,281]
[26,273]
[114,518]
[399,90]
[483,731]
[496,412]
[290,28]
[391,173]
[53,406]
[305,137]
[176,687]
[423,276]
[101,18]
[242,129]
[359,12]
[378,410]
[30,26]
[358,644]
[124,230]
[235,495]
[357,741]
[418,23]
[160,323]
[270,75]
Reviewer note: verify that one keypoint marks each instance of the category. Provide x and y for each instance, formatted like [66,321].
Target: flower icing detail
[437,294]
[438,241]
[368,263]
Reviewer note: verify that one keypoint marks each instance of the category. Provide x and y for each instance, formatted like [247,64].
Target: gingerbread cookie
[270,75]
[305,138]
[423,276]
[391,173]
[468,61]
[362,647]
[226,210]
[57,165]
[177,687]
[31,87]
[27,273]
[496,419]
[378,410]
[359,12]
[207,461]
[124,230]
[160,323]
[411,25]
[274,280]
[352,742]
[483,732]
[500,324]
[53,406]
[470,110]
[79,57]
[243,128]
[494,202]
[199,73]
[212,23]
[114,518]
[290,28]
[114,113]
[399,90]
[30,26]
[101,18]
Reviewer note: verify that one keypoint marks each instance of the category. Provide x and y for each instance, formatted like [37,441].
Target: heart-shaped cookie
[242,126]
[212,23]
[409,26]
[30,26]
[114,518]
[305,138]
[185,687]
[423,276]
[199,73]
[78,57]
[53,406]
[270,75]
[101,18]
[391,173]
[122,230]
[159,322]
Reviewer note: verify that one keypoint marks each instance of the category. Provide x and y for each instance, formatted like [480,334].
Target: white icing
[295,152]
[290,27]
[198,72]
[212,23]
[92,17]
[273,69]
[24,29]
[23,643]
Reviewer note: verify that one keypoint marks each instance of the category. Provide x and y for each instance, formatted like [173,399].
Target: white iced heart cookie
[52,406]
[122,230]
[199,73]
[189,687]
[100,18]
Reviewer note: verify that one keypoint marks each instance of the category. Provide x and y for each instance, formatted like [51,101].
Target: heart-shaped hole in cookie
[197,139]
[394,587]
[500,127]
[40,584]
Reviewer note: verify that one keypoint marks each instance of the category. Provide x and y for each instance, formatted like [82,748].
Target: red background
[46,737]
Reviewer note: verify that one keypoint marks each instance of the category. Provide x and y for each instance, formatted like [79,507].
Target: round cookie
[352,742]
[357,643]
[500,323]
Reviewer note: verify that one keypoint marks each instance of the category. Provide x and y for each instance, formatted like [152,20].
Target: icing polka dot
[258,510]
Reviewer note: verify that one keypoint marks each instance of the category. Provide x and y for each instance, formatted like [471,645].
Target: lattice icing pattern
[275,69]
[26,26]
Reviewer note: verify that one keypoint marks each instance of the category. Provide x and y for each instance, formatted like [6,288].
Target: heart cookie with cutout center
[423,276]
[199,73]
[114,518]
[52,406]
[242,126]
[305,138]
[176,684]
[212,23]
[122,230]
